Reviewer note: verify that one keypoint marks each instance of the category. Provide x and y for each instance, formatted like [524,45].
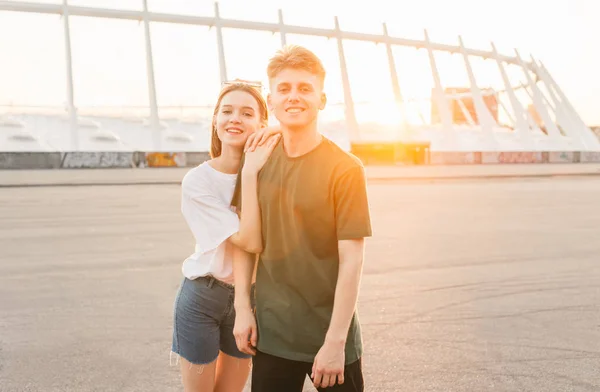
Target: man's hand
[329,365]
[245,331]
[260,137]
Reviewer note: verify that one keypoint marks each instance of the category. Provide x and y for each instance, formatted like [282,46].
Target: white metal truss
[566,132]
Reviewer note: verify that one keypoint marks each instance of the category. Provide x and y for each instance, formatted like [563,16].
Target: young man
[315,215]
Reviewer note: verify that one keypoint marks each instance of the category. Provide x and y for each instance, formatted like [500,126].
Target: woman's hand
[256,158]
[245,331]
[260,137]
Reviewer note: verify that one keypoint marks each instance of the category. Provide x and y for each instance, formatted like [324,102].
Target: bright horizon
[109,55]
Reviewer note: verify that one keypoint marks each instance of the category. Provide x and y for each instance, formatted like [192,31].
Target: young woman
[204,313]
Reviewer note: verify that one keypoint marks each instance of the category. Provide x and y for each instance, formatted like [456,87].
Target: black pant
[274,374]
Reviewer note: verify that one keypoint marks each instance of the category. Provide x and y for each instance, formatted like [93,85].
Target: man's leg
[353,379]
[270,374]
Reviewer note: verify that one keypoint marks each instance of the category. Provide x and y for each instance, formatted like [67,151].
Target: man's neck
[297,142]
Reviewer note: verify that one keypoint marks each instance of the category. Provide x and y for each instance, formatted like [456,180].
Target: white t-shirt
[205,204]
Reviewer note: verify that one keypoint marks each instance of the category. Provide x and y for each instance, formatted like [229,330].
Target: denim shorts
[203,321]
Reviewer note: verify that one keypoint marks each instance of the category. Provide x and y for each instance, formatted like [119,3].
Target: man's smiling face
[296,97]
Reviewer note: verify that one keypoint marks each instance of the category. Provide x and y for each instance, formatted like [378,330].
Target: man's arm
[329,362]
[353,224]
[346,292]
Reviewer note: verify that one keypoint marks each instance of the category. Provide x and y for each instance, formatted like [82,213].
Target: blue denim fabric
[203,321]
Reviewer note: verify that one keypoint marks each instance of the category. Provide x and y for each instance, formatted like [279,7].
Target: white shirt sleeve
[210,219]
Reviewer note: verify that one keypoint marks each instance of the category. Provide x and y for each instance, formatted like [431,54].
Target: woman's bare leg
[198,378]
[232,373]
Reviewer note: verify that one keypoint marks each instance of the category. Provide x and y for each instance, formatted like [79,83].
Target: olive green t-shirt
[308,204]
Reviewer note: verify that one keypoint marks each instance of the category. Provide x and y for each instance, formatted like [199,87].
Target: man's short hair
[295,57]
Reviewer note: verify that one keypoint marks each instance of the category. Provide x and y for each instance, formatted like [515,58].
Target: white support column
[551,100]
[348,102]
[511,117]
[576,126]
[484,117]
[396,85]
[220,46]
[522,129]
[464,111]
[562,117]
[73,123]
[561,94]
[532,121]
[281,28]
[154,121]
[538,103]
[392,66]
[439,95]
[422,117]
[544,99]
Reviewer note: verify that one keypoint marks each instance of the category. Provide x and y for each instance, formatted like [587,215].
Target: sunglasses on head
[256,85]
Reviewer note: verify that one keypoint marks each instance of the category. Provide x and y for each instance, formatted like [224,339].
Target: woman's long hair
[215,143]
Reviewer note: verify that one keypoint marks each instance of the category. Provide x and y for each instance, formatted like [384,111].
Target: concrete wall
[466,158]
[80,160]
[165,159]
[138,159]
[30,160]
[452,158]
[590,157]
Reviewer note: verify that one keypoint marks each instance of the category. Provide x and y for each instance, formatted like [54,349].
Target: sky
[109,58]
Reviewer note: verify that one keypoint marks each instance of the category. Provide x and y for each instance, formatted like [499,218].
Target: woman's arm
[249,236]
[244,330]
